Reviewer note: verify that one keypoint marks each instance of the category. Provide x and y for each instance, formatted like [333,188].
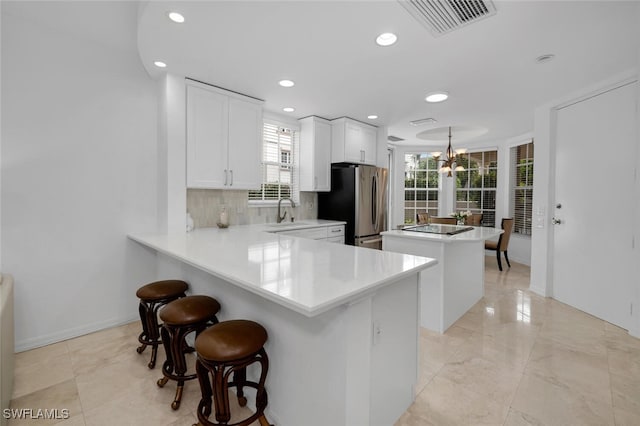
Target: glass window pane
[475,179]
[489,200]
[410,180]
[490,159]
[409,216]
[462,179]
[490,179]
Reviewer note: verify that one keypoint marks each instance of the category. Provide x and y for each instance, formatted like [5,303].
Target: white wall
[78,173]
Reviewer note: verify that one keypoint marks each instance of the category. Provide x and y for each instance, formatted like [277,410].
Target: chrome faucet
[281,218]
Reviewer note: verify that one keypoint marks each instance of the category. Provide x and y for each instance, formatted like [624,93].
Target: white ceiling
[328,49]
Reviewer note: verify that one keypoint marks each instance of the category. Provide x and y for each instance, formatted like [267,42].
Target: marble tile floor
[514,359]
[519,359]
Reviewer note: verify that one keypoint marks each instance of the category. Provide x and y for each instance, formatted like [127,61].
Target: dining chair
[474,220]
[443,220]
[422,218]
[503,242]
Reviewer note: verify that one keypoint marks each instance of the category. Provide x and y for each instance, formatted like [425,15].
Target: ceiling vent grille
[443,16]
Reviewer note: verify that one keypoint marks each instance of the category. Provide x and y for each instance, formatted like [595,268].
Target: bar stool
[152,297]
[225,348]
[181,317]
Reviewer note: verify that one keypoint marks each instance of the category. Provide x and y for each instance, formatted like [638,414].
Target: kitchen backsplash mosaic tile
[205,206]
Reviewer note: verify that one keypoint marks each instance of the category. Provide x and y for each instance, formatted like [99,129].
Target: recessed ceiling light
[288,109]
[545,58]
[160,64]
[372,117]
[386,39]
[286,83]
[176,17]
[437,97]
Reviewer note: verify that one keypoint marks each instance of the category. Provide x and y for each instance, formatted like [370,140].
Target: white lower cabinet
[333,233]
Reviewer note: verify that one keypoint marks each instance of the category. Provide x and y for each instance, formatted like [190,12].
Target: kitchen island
[456,283]
[336,316]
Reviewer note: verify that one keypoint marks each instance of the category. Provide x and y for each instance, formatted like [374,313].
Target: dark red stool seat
[181,317]
[225,348]
[152,297]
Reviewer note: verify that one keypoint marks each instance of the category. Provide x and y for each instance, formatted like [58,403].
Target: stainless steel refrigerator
[359,197]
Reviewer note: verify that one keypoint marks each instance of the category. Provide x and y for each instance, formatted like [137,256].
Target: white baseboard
[70,333]
[541,291]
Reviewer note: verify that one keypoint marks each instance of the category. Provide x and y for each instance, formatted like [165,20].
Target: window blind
[421,186]
[278,166]
[476,185]
[522,187]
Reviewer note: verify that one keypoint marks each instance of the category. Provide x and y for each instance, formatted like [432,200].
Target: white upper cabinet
[353,142]
[224,138]
[315,154]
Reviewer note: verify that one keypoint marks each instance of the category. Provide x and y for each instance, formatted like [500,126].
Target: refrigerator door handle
[374,205]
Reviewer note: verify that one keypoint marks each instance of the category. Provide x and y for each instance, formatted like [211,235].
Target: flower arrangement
[461,216]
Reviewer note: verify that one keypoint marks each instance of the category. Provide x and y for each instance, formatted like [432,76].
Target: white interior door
[594,187]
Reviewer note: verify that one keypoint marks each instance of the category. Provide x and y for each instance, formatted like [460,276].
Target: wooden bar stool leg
[239,378]
[175,366]
[221,394]
[205,387]
[150,335]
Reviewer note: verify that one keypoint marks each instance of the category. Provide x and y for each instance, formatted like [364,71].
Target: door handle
[556,221]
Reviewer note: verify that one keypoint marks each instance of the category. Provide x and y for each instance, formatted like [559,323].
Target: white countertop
[477,234]
[307,276]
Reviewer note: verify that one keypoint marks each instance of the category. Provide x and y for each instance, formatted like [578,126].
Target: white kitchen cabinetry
[315,154]
[353,142]
[224,139]
[334,234]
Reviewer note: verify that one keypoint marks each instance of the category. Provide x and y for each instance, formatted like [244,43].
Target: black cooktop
[436,228]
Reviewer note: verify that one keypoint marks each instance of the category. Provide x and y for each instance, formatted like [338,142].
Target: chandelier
[451,161]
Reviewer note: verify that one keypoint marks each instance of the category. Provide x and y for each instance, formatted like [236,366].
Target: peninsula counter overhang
[307,276]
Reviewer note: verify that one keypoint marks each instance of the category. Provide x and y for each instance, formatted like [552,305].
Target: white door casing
[595,146]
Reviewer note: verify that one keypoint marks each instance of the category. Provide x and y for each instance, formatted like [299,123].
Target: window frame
[522,229]
[482,189]
[293,166]
[437,189]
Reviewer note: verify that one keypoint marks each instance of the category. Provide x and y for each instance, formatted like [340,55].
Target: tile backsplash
[205,205]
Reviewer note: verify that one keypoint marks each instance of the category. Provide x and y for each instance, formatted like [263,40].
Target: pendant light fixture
[451,162]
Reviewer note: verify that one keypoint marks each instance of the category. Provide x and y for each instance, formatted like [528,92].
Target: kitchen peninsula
[456,283]
[336,316]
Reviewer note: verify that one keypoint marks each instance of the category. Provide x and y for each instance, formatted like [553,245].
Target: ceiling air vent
[443,16]
[394,138]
